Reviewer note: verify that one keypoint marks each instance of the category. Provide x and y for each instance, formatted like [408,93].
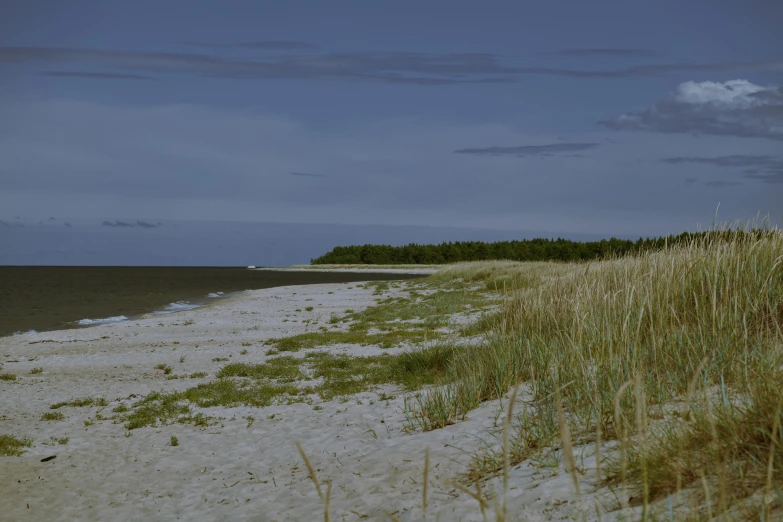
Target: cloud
[736,160]
[769,175]
[89,161]
[733,108]
[144,224]
[605,52]
[401,68]
[395,67]
[306,174]
[267,45]
[529,150]
[123,224]
[720,184]
[9,224]
[768,169]
[99,76]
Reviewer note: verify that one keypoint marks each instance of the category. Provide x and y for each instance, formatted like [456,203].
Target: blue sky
[554,118]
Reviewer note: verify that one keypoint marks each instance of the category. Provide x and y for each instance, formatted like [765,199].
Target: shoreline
[53,298]
[247,465]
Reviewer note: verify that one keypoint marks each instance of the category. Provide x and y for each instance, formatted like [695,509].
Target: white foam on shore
[179,306]
[27,332]
[107,320]
[214,294]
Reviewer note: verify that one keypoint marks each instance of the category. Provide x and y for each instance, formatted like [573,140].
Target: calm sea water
[50,298]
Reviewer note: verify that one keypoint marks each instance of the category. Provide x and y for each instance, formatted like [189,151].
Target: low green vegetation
[175,406]
[411,319]
[7,377]
[284,369]
[321,338]
[166,369]
[11,446]
[84,401]
[285,379]
[52,416]
[35,371]
[54,441]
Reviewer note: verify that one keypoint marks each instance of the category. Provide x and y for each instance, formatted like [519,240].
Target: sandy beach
[246,465]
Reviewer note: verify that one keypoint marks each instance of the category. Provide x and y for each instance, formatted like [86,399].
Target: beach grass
[677,355]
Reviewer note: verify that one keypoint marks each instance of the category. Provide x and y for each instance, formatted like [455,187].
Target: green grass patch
[261,385]
[84,401]
[52,416]
[169,407]
[7,377]
[388,339]
[285,368]
[11,446]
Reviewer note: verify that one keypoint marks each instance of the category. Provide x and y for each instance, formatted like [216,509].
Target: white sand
[230,471]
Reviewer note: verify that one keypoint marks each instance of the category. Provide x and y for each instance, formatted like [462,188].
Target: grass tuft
[84,401]
[11,446]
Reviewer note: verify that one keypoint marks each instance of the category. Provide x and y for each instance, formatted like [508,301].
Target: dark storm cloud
[305,174]
[605,52]
[736,160]
[144,224]
[769,175]
[399,68]
[99,76]
[123,224]
[734,108]
[529,150]
[768,169]
[267,45]
[720,184]
[9,224]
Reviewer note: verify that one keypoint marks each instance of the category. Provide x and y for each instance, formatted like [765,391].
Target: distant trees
[524,250]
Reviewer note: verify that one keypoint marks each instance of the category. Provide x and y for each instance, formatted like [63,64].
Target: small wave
[179,306]
[214,294]
[27,332]
[107,320]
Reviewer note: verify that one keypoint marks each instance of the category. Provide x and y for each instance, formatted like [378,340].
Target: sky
[383,122]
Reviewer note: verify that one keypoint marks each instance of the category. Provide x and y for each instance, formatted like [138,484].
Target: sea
[43,298]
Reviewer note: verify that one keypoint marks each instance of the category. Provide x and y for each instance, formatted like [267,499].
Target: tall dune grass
[676,353]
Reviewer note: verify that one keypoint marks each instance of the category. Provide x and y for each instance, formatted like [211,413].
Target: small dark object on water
[47,459]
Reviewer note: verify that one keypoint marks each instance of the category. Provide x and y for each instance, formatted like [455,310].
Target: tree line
[540,249]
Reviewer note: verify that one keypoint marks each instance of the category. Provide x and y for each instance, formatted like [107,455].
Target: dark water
[49,298]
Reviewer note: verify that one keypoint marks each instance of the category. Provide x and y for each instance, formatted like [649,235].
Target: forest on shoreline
[540,249]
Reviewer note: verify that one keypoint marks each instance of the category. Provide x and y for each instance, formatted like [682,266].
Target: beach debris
[50,457]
